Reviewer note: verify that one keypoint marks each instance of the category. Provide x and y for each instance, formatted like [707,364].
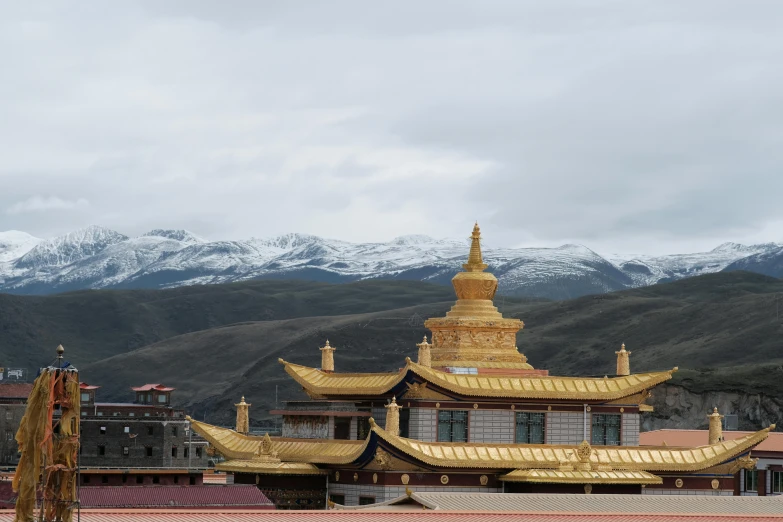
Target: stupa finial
[475,262]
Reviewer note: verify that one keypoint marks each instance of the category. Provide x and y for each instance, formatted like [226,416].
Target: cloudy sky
[627,126]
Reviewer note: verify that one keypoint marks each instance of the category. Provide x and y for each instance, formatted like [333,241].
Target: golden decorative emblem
[622,410]
[383,459]
[437,405]
[483,479]
[678,483]
[513,407]
[405,479]
[444,479]
[589,408]
[549,408]
[588,489]
[374,478]
[475,406]
[337,476]
[715,483]
[355,477]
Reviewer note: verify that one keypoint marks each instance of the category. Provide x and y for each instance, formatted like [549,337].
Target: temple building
[471,414]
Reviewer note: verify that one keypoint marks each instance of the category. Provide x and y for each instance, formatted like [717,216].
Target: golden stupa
[474,334]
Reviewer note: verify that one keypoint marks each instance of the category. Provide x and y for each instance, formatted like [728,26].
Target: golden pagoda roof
[524,387]
[234,445]
[556,476]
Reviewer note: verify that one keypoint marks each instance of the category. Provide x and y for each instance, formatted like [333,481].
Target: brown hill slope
[721,329]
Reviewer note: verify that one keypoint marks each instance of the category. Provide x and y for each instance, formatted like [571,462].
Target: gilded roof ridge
[344,374]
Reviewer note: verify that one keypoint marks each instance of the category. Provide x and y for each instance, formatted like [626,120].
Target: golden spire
[623,362]
[475,262]
[243,416]
[327,358]
[716,427]
[424,353]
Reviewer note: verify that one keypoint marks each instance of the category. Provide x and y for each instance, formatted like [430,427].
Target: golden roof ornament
[243,416]
[475,262]
[327,357]
[393,417]
[583,452]
[424,353]
[716,427]
[623,362]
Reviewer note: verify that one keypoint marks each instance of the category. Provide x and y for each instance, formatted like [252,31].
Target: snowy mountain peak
[71,247]
[15,244]
[732,247]
[182,235]
[290,241]
[412,239]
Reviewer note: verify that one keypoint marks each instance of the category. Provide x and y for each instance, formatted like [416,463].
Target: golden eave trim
[265,468]
[554,476]
[517,387]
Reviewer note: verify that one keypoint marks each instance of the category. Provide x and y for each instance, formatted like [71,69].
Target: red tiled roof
[16,390]
[377,516]
[150,387]
[245,495]
[85,386]
[692,438]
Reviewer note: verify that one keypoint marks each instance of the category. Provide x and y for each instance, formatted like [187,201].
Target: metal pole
[190,444]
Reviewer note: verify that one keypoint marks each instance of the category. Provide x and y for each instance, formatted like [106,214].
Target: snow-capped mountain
[98,257]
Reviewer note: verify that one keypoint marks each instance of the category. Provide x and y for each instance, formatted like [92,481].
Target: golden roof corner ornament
[371,422]
[623,361]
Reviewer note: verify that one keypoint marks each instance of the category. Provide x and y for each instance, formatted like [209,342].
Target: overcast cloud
[627,126]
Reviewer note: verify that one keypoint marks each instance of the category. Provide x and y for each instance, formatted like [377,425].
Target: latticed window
[530,428]
[452,426]
[362,427]
[777,481]
[751,480]
[606,429]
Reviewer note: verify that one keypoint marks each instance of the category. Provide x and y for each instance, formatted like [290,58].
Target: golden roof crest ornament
[265,453]
[583,452]
[475,262]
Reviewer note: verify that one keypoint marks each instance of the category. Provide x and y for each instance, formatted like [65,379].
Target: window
[104,479]
[198,451]
[452,426]
[147,414]
[363,501]
[84,414]
[156,479]
[115,414]
[337,499]
[150,430]
[103,430]
[185,452]
[162,399]
[777,481]
[131,414]
[85,479]
[606,429]
[148,451]
[125,451]
[192,480]
[362,427]
[405,422]
[342,428]
[124,478]
[9,415]
[530,428]
[100,414]
[174,431]
[85,397]
[176,479]
[139,479]
[174,451]
[126,429]
[751,480]
[9,435]
[101,450]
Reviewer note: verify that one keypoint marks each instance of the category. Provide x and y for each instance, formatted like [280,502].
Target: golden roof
[234,445]
[555,476]
[525,387]
[269,468]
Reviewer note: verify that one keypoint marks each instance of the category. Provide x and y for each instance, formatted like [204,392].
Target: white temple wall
[424,424]
[495,426]
[565,427]
[629,435]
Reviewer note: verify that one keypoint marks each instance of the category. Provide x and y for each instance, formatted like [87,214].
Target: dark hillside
[95,324]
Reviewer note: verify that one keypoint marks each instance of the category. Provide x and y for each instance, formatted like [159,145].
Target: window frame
[604,439]
[755,481]
[777,481]
[529,414]
[363,500]
[453,422]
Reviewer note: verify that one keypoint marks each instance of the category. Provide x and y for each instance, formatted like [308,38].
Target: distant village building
[13,399]
[471,415]
[146,442]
